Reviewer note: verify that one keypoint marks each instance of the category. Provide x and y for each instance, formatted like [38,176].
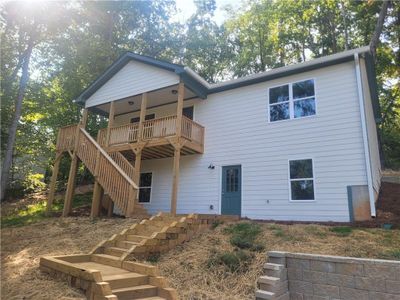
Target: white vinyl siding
[236,132]
[133,79]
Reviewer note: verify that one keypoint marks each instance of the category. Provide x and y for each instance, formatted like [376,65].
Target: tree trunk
[378,29]
[5,171]
[346,32]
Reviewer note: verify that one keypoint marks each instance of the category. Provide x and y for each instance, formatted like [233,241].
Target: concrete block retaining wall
[322,277]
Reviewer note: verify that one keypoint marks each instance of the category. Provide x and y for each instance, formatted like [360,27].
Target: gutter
[365,135]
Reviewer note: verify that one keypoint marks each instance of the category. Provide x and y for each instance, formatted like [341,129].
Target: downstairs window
[301,179]
[145,187]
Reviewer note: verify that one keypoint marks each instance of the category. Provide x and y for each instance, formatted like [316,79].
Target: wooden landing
[102,278]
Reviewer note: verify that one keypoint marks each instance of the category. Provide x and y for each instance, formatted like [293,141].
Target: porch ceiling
[155,98]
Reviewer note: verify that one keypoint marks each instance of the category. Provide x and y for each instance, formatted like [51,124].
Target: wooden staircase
[109,272]
[151,237]
[112,171]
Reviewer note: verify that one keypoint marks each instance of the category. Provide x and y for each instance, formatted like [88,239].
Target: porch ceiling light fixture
[174,92]
[131,102]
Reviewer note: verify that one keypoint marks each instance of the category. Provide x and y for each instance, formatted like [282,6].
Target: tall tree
[28,23]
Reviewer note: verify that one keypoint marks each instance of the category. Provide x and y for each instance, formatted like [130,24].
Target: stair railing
[114,180]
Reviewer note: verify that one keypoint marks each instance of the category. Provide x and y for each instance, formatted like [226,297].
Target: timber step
[106,273]
[124,280]
[140,291]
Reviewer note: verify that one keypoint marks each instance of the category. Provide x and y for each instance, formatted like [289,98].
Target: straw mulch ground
[187,270]
[21,248]
[186,267]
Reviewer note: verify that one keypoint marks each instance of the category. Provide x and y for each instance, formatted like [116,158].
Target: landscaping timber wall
[333,277]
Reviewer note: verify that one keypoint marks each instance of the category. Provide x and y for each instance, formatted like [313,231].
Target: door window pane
[232,180]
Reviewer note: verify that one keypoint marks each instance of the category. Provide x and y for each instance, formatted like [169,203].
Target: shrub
[250,229]
[233,261]
[153,258]
[34,183]
[216,223]
[342,230]
[244,236]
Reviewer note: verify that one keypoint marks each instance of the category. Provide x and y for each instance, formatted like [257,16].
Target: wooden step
[135,238]
[151,298]
[115,251]
[136,292]
[126,244]
[106,260]
[119,281]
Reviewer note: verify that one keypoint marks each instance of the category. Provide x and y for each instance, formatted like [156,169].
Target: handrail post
[177,148]
[74,167]
[97,190]
[110,122]
[179,109]
[142,117]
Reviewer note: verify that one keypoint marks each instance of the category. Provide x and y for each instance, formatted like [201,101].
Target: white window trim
[299,179]
[291,101]
[148,187]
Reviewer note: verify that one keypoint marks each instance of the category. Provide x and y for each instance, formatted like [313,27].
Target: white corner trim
[365,135]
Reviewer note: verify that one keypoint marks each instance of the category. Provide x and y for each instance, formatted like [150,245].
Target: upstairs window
[301,179]
[291,101]
[145,187]
[147,117]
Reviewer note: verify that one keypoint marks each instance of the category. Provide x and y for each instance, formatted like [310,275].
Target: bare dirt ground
[21,248]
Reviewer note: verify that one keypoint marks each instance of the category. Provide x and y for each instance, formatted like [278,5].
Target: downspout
[365,135]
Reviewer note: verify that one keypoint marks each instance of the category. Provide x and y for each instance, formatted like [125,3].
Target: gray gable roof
[202,88]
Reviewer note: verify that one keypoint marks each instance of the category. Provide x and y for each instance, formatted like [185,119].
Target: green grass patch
[390,254]
[234,261]
[315,231]
[216,223]
[342,230]
[36,212]
[245,235]
[154,258]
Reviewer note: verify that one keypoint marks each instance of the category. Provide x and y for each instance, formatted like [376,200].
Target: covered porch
[144,100]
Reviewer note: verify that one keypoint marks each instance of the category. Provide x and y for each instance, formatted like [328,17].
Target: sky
[186,8]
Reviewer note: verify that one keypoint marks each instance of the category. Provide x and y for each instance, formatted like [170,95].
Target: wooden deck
[157,135]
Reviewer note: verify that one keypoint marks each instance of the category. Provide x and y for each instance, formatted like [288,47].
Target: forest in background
[56,49]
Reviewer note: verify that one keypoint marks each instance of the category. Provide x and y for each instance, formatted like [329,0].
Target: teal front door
[231,198]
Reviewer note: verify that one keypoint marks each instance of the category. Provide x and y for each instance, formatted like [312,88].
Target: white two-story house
[294,143]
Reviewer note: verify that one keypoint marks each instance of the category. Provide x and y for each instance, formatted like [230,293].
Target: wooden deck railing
[156,128]
[116,181]
[66,138]
[192,131]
